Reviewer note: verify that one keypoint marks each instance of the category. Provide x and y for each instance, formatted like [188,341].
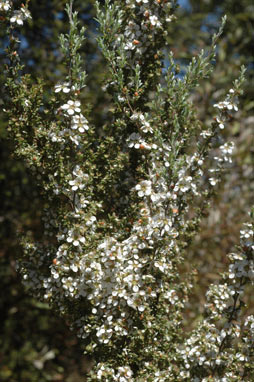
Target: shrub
[125,199]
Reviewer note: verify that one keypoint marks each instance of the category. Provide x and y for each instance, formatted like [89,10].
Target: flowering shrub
[124,201]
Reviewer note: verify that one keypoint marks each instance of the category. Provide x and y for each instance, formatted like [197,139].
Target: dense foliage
[123,200]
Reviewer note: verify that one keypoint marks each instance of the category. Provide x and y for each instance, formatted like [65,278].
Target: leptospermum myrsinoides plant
[125,200]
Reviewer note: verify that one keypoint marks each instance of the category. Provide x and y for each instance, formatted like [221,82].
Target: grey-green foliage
[70,46]
[124,204]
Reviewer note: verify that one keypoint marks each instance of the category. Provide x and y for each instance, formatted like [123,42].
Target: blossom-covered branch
[124,204]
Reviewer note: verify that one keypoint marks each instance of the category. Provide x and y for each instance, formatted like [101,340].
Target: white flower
[74,267]
[26,13]
[129,46]
[75,138]
[54,273]
[77,183]
[171,296]
[169,19]
[213,181]
[205,133]
[185,183]
[136,116]
[160,265]
[81,202]
[17,18]
[220,122]
[143,121]
[71,107]
[155,21]
[248,232]
[124,374]
[62,88]
[227,150]
[79,122]
[144,188]
[75,237]
[80,179]
[136,141]
[5,5]
[133,139]
[226,105]
[120,98]
[91,221]
[69,284]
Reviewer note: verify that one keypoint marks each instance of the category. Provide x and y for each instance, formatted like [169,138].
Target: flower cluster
[223,153]
[139,37]
[209,345]
[123,374]
[74,121]
[17,17]
[124,205]
[225,107]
